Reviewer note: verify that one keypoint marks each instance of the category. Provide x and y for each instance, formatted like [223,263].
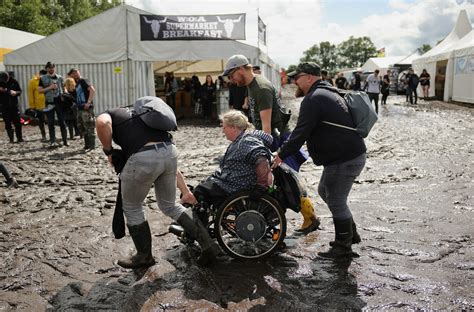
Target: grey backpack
[360,108]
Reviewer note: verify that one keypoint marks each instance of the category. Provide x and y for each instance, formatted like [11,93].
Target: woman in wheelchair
[235,201]
[246,163]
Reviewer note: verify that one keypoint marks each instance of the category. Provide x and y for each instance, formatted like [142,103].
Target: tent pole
[129,73]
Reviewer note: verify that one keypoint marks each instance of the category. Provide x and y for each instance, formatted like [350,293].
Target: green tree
[46,17]
[325,55]
[424,48]
[291,68]
[355,51]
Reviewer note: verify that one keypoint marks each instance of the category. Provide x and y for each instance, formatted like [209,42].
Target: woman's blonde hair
[70,84]
[235,118]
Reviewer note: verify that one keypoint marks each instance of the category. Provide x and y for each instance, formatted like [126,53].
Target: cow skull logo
[229,25]
[155,25]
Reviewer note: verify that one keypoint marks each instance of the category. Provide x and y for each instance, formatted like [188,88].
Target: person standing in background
[171,88]
[9,92]
[413,81]
[356,81]
[52,85]
[373,88]
[70,107]
[385,87]
[85,92]
[325,75]
[341,81]
[425,83]
[36,101]
[208,96]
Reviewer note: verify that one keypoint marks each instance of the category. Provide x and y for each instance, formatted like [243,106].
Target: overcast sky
[399,26]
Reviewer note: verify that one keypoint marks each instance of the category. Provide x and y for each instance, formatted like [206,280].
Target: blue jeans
[336,183]
[143,169]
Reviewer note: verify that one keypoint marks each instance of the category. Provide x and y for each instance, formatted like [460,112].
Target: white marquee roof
[114,35]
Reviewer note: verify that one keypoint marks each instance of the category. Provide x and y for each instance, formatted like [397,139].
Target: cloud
[408,26]
[295,25]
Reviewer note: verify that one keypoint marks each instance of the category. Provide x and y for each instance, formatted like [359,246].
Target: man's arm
[264,173]
[307,119]
[266,118]
[91,90]
[43,89]
[187,197]
[103,127]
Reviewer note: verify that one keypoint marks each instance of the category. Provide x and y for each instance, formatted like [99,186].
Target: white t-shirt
[373,84]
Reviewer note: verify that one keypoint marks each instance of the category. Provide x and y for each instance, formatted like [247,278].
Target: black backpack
[288,190]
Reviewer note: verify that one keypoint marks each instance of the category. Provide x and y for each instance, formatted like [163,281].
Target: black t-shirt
[131,133]
[425,82]
[341,82]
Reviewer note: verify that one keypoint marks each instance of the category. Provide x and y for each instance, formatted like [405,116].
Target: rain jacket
[35,99]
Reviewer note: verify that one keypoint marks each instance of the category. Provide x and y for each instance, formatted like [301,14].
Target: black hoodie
[327,144]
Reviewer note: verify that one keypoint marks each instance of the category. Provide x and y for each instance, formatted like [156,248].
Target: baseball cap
[307,68]
[49,65]
[72,70]
[233,62]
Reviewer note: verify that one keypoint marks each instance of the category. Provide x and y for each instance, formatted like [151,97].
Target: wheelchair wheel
[250,226]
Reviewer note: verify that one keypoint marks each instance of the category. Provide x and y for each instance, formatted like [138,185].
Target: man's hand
[188,198]
[276,161]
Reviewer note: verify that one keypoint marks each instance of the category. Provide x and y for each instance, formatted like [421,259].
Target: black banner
[192,27]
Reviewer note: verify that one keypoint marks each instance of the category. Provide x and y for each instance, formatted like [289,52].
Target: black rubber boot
[341,247]
[43,131]
[89,141]
[11,182]
[19,135]
[64,136]
[193,227]
[355,235]
[141,237]
[11,135]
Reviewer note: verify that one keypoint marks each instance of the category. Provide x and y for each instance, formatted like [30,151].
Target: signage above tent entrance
[192,27]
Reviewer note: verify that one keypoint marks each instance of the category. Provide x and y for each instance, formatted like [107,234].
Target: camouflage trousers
[86,124]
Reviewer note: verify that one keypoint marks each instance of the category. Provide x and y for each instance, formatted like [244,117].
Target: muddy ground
[413,204]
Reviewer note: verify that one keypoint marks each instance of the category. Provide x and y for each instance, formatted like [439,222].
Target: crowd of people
[51,96]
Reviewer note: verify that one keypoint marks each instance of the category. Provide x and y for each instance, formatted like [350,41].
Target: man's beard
[299,92]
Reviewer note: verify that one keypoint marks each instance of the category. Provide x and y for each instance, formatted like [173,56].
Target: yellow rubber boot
[307,210]
[310,221]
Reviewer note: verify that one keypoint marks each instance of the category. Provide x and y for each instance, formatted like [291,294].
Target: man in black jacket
[9,92]
[339,150]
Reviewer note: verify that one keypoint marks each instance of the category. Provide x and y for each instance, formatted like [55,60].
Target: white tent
[409,59]
[108,50]
[463,78]
[380,63]
[439,61]
[11,39]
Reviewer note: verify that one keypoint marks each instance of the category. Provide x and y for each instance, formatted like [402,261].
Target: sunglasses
[299,76]
[232,72]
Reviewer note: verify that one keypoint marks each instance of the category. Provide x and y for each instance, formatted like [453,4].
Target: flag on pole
[381,52]
[262,31]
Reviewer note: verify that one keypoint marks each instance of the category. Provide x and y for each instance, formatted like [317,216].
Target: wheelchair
[251,224]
